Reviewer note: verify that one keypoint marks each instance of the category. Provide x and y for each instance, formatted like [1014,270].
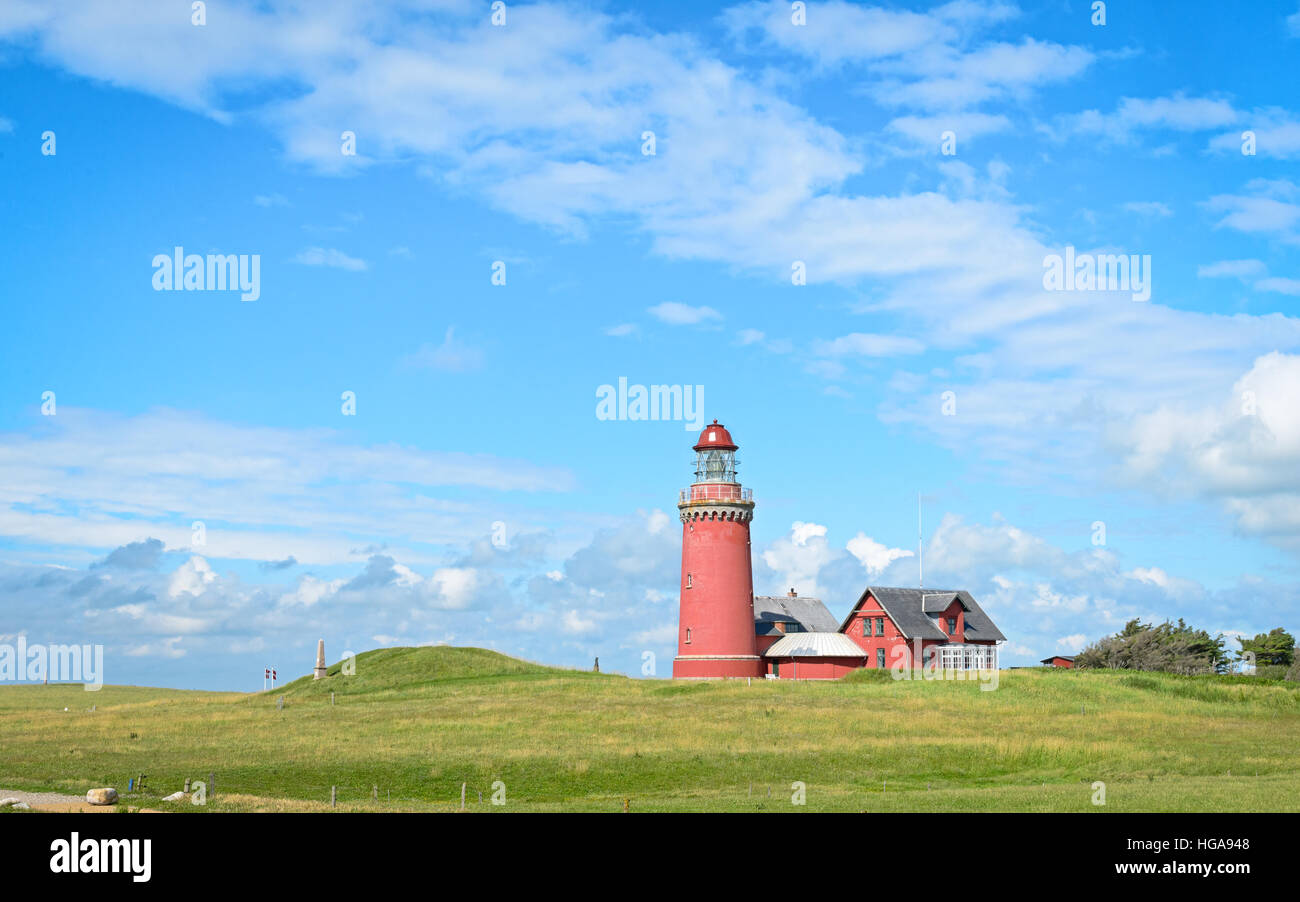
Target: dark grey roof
[809,612]
[938,602]
[916,612]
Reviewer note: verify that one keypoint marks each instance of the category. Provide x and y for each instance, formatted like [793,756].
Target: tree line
[1179,648]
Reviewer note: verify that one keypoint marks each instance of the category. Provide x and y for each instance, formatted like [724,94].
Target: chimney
[793,593]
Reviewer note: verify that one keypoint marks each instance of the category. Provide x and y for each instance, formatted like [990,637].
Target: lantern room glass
[715,465]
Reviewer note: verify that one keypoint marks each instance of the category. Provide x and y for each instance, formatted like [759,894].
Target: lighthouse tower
[715,630]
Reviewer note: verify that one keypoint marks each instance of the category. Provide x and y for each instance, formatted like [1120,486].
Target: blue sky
[1175,422]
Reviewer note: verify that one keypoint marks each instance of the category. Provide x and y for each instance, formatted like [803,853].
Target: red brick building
[947,628]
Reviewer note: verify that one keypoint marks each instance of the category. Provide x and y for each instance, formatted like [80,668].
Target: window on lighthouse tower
[715,465]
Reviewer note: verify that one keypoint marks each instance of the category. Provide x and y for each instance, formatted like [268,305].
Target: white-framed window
[688,635]
[968,657]
[688,580]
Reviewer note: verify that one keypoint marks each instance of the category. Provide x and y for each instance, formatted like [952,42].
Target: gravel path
[53,801]
[40,798]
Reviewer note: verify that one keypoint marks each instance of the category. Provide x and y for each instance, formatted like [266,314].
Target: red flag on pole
[272,674]
[268,674]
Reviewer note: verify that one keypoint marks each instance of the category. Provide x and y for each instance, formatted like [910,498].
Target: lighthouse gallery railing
[715,492]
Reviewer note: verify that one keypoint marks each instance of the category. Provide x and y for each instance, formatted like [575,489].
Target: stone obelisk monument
[320,660]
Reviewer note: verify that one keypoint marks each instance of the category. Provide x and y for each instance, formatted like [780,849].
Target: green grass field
[419,722]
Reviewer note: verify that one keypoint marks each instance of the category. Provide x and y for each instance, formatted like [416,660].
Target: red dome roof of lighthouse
[716,436]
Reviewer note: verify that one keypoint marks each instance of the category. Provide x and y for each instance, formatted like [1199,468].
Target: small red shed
[1066,661]
[813,656]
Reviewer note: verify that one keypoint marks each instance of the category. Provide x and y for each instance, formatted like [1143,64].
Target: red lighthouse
[715,630]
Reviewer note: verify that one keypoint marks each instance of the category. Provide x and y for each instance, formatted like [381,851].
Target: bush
[1169,647]
[1271,671]
[1294,673]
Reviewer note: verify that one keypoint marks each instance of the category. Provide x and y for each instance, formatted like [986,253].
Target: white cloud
[1175,113]
[657,523]
[677,314]
[167,648]
[1276,131]
[151,620]
[1243,450]
[837,32]
[748,337]
[1268,208]
[1045,597]
[574,623]
[867,345]
[310,590]
[456,586]
[911,58]
[1240,269]
[1148,208]
[874,556]
[664,634]
[799,557]
[191,578]
[800,533]
[452,356]
[959,547]
[336,259]
[1173,586]
[925,131]
[955,80]
[1279,285]
[156,473]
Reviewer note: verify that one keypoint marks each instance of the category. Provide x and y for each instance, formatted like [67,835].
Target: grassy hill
[407,670]
[419,722]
